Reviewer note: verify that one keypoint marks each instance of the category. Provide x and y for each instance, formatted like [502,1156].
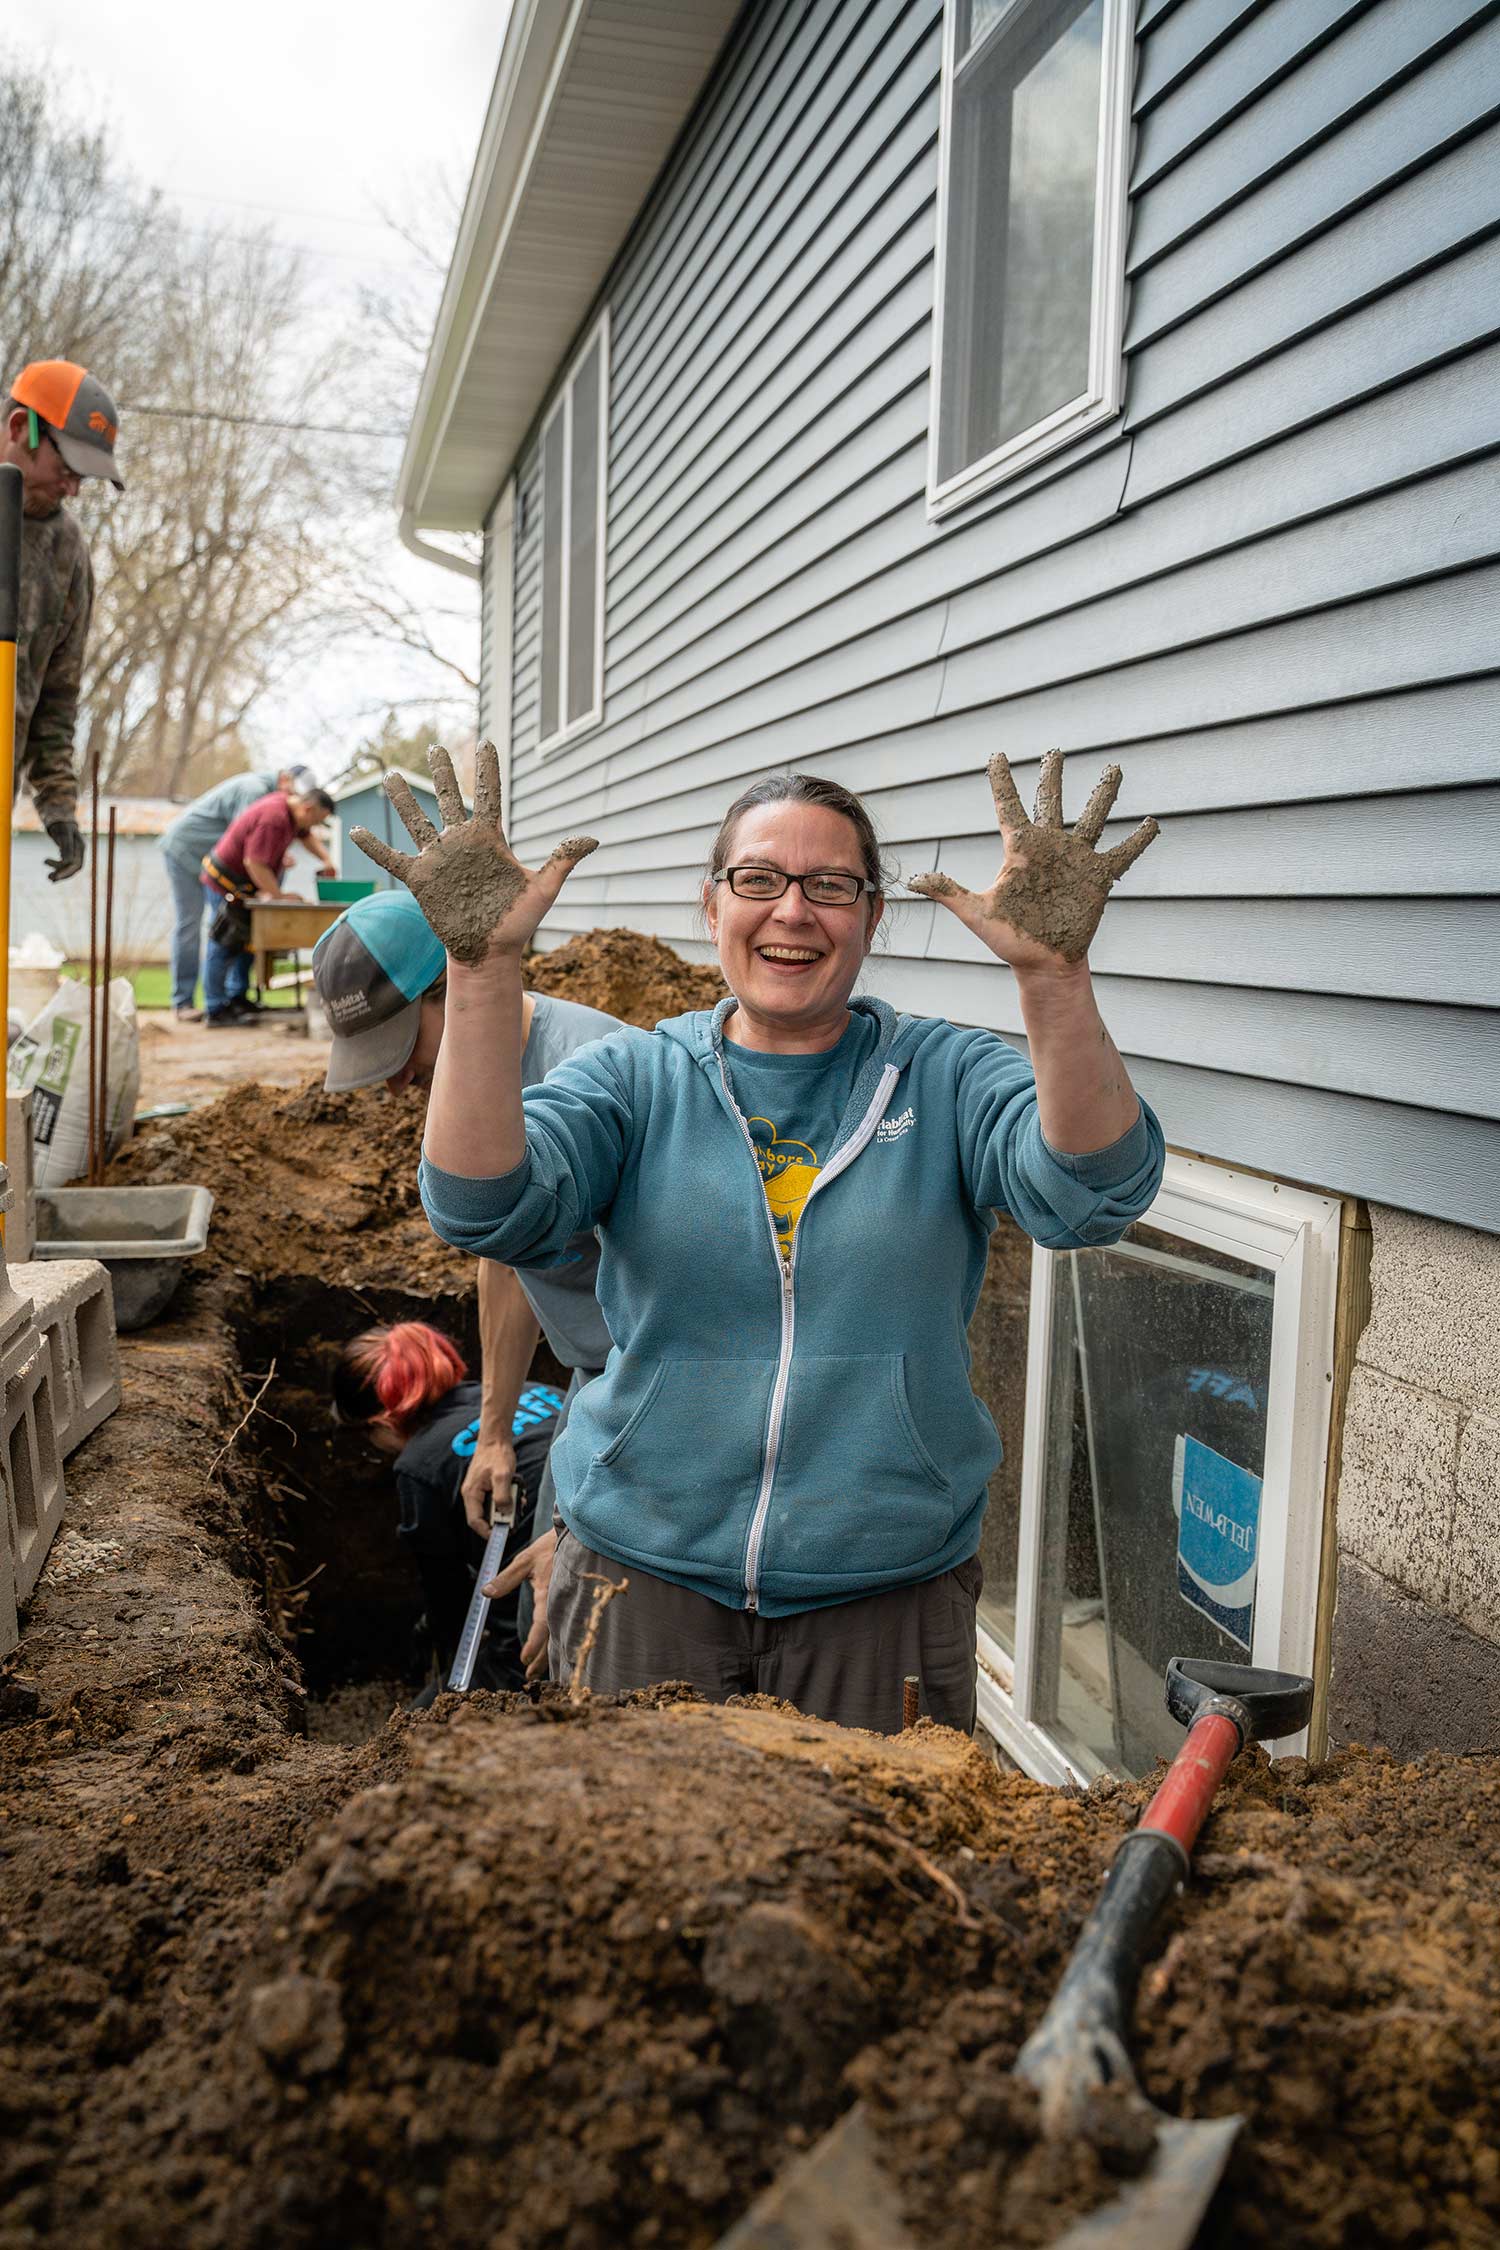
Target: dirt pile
[636,978]
[306,1183]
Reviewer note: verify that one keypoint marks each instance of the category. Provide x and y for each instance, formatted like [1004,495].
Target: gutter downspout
[413,542]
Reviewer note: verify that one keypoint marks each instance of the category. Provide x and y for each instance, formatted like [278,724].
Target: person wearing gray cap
[380,974]
[195,831]
[57,427]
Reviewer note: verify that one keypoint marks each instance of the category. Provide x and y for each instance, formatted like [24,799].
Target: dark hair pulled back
[802,789]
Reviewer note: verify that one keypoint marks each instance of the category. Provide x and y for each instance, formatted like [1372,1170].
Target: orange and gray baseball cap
[79,412]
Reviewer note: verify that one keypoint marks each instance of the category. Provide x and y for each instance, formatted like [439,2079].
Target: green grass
[153,985]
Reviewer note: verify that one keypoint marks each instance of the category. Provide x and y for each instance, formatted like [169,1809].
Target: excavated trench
[576,1976]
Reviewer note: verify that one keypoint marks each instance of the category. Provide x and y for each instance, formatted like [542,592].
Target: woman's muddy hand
[475,893]
[1043,907]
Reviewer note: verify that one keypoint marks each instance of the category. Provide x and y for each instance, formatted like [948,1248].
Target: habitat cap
[371,970]
[301,777]
[79,412]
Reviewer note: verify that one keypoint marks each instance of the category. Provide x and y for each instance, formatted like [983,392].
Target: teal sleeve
[1063,1202]
[579,1124]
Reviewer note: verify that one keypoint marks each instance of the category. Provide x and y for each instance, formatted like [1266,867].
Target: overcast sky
[301,115]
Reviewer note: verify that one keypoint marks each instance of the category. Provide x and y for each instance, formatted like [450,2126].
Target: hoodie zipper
[788,1267]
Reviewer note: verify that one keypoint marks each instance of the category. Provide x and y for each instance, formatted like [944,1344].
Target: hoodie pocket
[661,1460]
[859,1491]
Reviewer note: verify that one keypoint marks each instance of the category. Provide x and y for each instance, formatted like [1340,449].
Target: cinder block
[72,1303]
[20,1159]
[1433,1325]
[31,1465]
[1476,1528]
[1396,1489]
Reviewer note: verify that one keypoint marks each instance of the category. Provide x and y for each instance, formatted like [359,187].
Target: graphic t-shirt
[794,1106]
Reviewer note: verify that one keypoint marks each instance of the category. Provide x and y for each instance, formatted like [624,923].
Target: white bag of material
[52,1057]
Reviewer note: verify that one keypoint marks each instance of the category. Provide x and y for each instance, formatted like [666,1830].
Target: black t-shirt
[430,1471]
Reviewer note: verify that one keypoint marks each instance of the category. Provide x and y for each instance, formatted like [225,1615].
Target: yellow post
[11,498]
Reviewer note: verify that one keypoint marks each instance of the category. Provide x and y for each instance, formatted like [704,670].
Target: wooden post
[1351,1313]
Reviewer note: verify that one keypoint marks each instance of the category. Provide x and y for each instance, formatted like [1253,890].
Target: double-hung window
[574,465]
[1031,234]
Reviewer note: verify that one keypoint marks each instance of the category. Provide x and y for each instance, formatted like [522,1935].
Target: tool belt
[230,927]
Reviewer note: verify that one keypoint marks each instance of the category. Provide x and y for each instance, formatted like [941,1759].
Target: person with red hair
[407,1386]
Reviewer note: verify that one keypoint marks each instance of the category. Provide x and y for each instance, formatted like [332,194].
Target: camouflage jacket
[57,596]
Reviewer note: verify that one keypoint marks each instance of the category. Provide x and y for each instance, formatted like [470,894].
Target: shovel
[838,2198]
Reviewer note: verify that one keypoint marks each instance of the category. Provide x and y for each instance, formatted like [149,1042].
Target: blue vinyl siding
[1271,587]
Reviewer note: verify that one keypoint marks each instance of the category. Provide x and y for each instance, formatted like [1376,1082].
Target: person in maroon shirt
[246,864]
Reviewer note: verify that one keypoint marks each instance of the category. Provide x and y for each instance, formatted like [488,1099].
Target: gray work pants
[845,1663]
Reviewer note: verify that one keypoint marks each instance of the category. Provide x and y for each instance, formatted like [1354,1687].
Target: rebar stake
[911,1700]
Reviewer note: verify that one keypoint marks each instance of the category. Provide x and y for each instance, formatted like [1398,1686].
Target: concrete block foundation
[72,1303]
[30,1460]
[1405,1675]
[20,1163]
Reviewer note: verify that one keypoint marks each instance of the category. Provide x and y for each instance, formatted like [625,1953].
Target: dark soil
[574,1977]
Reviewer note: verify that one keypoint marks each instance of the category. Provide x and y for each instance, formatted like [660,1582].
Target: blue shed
[362,803]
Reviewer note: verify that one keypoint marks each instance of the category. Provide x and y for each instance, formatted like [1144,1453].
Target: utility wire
[260,422]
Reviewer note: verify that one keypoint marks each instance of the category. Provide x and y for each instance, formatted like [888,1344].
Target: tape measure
[467,1654]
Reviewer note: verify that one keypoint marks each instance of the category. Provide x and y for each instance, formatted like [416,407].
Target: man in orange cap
[58,426]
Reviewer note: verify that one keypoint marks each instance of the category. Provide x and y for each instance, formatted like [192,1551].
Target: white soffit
[588,99]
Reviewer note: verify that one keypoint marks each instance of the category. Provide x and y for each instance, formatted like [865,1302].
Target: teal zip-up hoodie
[780,1439]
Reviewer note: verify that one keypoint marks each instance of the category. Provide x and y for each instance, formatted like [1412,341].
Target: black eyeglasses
[825,887]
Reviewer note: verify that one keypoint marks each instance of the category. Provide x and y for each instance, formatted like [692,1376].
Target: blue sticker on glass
[1218,1527]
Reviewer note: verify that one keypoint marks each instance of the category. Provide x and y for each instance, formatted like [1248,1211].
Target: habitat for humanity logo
[1218,1528]
[892,1128]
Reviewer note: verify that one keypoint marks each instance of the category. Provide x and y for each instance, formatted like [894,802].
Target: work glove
[68,837]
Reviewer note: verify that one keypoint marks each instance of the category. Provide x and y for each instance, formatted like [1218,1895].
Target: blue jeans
[187,930]
[226,975]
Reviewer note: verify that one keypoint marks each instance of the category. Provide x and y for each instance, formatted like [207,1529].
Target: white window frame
[563,404]
[1294,1237]
[1105,394]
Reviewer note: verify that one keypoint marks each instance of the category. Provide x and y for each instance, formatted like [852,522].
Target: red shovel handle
[1180,1806]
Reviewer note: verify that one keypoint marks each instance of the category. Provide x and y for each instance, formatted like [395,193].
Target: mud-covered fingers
[1089,825]
[399,864]
[943,891]
[1125,855]
[1009,809]
[559,864]
[445,783]
[413,819]
[1048,812]
[487,785]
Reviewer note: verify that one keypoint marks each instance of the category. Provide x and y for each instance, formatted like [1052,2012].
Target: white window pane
[1155,1449]
[1021,227]
[583,539]
[553,457]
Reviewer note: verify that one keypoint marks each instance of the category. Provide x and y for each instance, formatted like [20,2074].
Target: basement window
[1031,234]
[574,452]
[1171,1490]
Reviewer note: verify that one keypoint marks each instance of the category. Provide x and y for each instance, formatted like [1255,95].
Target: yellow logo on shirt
[788,1169]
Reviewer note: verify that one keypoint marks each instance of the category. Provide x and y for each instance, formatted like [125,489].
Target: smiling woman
[794,1194]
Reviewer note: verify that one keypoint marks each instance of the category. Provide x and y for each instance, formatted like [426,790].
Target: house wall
[1271,588]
